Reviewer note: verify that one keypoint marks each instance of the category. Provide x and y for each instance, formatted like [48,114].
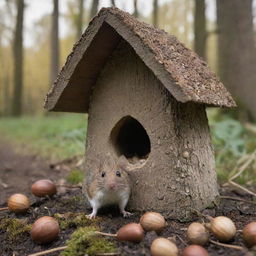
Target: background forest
[37,36]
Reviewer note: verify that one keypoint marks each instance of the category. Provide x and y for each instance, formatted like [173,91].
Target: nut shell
[152,221]
[163,247]
[43,188]
[195,250]
[197,234]
[45,230]
[249,234]
[18,203]
[132,232]
[223,228]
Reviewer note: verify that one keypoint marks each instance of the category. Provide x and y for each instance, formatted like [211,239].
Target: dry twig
[236,247]
[49,251]
[247,161]
[237,199]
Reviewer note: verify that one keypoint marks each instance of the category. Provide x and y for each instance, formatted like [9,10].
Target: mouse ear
[123,162]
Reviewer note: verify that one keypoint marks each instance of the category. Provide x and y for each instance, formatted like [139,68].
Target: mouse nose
[112,186]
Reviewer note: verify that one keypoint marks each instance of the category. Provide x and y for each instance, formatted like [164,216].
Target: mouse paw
[91,216]
[127,214]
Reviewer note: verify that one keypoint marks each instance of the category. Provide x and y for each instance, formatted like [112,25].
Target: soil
[18,172]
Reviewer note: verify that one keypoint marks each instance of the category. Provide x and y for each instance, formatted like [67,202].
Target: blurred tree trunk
[55,55]
[135,13]
[237,56]
[94,8]
[80,19]
[200,28]
[18,60]
[155,13]
[6,94]
[113,3]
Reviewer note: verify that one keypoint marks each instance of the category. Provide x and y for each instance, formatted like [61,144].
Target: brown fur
[109,165]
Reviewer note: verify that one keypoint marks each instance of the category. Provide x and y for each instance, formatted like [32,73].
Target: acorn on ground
[45,230]
[194,250]
[197,234]
[223,228]
[152,221]
[43,188]
[249,234]
[163,247]
[18,203]
[132,232]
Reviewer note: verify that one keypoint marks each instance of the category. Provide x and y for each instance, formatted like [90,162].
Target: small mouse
[108,183]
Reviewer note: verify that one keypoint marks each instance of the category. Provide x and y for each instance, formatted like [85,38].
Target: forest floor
[18,172]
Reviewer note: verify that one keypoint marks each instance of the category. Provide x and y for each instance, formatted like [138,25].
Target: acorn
[45,230]
[195,250]
[223,228]
[18,203]
[249,234]
[197,234]
[132,232]
[43,188]
[163,247]
[152,221]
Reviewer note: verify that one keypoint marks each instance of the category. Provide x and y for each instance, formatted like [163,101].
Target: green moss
[86,241]
[74,220]
[15,228]
[75,177]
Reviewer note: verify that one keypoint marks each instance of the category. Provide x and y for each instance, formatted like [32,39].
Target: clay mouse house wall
[127,89]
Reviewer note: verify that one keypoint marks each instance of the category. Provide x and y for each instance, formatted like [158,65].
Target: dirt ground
[18,172]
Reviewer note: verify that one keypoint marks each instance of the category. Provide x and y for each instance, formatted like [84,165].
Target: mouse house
[145,94]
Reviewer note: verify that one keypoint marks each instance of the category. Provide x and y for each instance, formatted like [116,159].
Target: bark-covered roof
[186,76]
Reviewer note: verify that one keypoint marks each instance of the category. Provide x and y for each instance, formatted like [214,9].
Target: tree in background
[200,28]
[80,17]
[174,18]
[113,3]
[18,60]
[6,61]
[155,13]
[236,55]
[94,8]
[135,12]
[55,42]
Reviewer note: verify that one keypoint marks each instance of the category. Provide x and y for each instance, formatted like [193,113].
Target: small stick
[109,254]
[237,247]
[105,234]
[243,167]
[237,199]
[182,240]
[49,251]
[4,208]
[241,187]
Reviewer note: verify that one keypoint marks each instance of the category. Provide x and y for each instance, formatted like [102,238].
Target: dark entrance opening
[130,139]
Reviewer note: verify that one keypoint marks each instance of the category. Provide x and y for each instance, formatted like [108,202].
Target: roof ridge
[184,74]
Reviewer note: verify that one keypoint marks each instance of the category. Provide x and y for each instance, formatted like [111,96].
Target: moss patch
[85,241]
[75,176]
[15,229]
[74,220]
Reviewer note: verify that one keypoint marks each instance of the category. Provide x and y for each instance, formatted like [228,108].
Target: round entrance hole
[130,139]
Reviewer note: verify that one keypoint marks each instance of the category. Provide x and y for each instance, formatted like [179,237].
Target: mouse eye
[118,174]
[103,174]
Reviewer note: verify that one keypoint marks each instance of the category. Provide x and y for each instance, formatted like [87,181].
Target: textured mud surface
[18,172]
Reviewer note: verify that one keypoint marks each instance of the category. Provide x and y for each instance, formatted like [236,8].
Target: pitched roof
[181,71]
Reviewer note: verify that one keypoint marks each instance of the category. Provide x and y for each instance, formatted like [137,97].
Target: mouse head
[112,173]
